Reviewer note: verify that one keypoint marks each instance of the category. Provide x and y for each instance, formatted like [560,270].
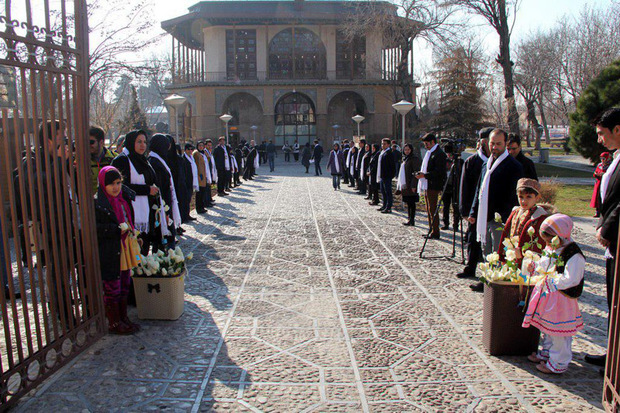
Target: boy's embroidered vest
[567,253]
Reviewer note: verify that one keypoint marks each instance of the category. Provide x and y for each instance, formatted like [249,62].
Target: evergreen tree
[458,77]
[135,117]
[601,94]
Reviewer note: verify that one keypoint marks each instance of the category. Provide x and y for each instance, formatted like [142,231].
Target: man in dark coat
[250,159]
[222,164]
[345,152]
[496,194]
[386,169]
[608,131]
[514,148]
[470,176]
[361,185]
[431,179]
[240,164]
[317,154]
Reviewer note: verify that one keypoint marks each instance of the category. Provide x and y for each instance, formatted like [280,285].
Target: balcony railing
[224,77]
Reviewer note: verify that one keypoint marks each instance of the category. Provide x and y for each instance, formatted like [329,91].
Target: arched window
[298,56]
[295,119]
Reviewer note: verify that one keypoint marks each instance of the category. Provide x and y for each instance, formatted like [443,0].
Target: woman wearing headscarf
[168,215]
[372,174]
[175,164]
[335,165]
[139,176]
[364,179]
[407,182]
[351,162]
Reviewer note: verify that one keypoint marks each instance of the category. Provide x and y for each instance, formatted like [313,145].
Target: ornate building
[282,69]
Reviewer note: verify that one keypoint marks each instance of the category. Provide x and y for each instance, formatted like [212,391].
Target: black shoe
[180,231]
[201,211]
[189,218]
[465,275]
[408,224]
[445,227]
[432,236]
[478,287]
[596,360]
[381,209]
[373,203]
[386,211]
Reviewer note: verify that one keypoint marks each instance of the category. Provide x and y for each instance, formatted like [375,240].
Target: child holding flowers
[118,252]
[553,308]
[521,231]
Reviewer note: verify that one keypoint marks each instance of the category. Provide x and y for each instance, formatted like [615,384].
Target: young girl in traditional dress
[114,223]
[553,308]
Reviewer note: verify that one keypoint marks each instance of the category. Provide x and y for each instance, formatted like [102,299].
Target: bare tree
[497,13]
[119,31]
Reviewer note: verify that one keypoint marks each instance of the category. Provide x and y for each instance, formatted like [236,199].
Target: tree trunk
[543,118]
[504,61]
[531,117]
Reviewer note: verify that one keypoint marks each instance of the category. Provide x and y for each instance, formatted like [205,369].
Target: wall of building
[215,47]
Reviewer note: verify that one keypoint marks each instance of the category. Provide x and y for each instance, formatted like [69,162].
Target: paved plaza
[300,298]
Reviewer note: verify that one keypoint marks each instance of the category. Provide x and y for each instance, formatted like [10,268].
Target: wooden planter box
[160,298]
[502,334]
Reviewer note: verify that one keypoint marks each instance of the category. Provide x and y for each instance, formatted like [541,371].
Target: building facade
[286,70]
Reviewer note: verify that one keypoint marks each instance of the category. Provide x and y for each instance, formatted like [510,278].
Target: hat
[605,155]
[429,137]
[528,183]
[189,146]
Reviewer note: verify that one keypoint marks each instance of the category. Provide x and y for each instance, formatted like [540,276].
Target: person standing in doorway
[296,151]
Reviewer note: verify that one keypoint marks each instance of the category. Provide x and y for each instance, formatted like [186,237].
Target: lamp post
[226,118]
[358,119]
[403,107]
[336,130]
[254,128]
[176,101]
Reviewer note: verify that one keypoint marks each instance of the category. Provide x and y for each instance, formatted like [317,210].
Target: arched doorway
[298,56]
[342,108]
[246,110]
[295,119]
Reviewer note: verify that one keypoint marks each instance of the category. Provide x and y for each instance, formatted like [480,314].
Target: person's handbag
[130,252]
[311,161]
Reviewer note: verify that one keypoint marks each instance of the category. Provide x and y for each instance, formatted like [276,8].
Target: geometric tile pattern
[300,298]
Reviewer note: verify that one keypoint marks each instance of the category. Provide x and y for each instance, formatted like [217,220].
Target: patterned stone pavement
[300,298]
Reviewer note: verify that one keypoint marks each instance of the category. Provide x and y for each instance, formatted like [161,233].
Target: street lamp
[254,128]
[176,101]
[226,118]
[403,107]
[358,119]
[336,131]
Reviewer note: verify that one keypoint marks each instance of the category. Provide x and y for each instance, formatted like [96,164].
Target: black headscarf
[406,157]
[160,145]
[130,145]
[173,156]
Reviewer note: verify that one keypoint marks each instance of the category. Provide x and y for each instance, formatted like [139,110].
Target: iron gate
[47,235]
[611,385]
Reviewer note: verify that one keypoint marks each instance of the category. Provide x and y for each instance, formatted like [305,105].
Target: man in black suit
[514,148]
[431,180]
[608,131]
[496,194]
[250,161]
[345,152]
[222,164]
[361,185]
[386,169]
[317,154]
[470,176]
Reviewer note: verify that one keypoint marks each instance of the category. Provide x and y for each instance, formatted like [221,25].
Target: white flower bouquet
[161,264]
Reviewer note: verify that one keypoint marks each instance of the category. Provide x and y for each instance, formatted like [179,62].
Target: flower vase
[502,316]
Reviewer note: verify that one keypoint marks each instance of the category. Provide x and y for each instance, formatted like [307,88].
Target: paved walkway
[300,298]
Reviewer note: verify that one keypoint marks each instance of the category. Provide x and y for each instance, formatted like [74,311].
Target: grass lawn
[574,200]
[547,170]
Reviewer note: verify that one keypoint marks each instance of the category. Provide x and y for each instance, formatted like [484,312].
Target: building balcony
[285,78]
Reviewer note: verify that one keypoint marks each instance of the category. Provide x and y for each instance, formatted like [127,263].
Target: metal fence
[611,385]
[48,247]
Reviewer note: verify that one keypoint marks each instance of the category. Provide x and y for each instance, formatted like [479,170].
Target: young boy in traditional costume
[523,224]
